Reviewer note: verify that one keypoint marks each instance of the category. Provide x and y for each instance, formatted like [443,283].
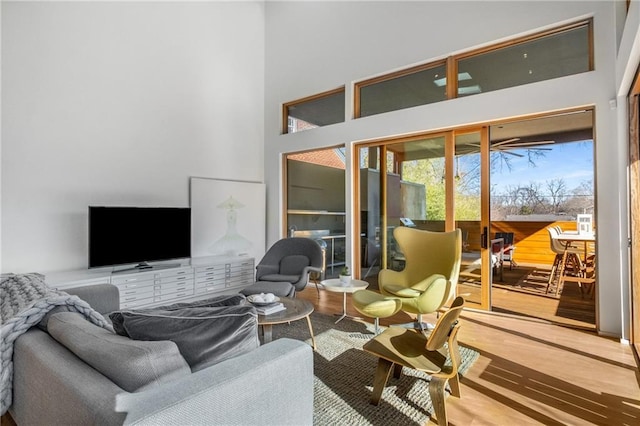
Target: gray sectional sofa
[65,376]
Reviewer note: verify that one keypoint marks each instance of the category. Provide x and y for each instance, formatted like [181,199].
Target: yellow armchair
[432,267]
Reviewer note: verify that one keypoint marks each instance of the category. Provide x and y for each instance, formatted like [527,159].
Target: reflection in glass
[416,88]
[553,56]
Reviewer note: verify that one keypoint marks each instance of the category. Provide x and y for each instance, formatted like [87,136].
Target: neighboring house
[115,103]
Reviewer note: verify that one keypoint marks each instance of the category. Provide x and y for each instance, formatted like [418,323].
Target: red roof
[327,157]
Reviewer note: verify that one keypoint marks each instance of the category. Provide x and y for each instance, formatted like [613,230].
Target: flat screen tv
[130,235]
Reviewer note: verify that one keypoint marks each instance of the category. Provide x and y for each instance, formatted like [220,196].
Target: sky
[572,162]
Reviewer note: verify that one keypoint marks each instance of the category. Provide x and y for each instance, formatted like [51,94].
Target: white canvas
[227,218]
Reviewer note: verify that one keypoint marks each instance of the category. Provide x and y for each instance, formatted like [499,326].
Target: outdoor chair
[430,276]
[465,240]
[509,248]
[572,258]
[399,347]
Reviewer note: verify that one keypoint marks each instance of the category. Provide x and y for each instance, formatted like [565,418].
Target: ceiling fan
[507,145]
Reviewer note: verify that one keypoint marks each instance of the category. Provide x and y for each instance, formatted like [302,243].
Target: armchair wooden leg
[397,371]
[454,384]
[380,380]
[436,392]
[317,284]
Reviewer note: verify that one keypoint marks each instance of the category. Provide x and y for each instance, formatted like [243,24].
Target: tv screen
[125,235]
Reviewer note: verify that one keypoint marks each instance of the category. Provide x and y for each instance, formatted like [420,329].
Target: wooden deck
[522,291]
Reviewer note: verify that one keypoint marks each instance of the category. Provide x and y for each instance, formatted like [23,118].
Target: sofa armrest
[310,269]
[270,385]
[104,298]
[53,386]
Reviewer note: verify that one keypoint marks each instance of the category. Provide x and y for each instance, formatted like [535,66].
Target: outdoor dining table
[567,238]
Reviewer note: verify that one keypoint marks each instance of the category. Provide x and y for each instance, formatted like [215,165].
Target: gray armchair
[289,260]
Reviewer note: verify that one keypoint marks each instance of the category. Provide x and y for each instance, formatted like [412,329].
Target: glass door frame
[634,209]
[485,208]
[449,182]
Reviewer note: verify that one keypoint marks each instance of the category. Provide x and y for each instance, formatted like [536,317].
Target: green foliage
[430,173]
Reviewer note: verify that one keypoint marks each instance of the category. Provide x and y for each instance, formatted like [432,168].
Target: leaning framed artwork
[227,218]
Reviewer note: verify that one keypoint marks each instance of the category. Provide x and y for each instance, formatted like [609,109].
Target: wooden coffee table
[297,309]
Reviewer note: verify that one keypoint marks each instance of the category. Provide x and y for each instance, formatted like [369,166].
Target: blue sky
[573,162]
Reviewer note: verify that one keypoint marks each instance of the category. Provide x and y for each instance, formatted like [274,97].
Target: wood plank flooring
[531,371]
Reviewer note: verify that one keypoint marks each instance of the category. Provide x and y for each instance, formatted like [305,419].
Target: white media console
[196,278]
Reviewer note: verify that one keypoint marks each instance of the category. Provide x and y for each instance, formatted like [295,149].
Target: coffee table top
[336,286]
[296,309]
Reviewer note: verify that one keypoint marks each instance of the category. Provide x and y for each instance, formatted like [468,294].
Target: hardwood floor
[6,420]
[532,371]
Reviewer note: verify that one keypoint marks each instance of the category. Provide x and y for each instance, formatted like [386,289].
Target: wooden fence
[530,238]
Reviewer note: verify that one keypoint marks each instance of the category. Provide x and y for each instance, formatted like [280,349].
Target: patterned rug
[344,377]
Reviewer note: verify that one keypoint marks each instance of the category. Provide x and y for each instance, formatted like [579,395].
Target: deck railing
[530,238]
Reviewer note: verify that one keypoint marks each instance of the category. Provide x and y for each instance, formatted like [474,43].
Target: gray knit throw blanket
[25,300]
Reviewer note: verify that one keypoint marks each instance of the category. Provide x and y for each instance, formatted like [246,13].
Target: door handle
[484,238]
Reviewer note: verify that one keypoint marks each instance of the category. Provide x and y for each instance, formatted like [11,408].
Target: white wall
[312,47]
[115,103]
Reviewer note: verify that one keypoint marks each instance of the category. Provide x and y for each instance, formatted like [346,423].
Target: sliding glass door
[431,182]
[468,180]
[503,185]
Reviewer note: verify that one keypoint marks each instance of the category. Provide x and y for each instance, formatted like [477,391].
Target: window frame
[391,76]
[451,62]
[285,106]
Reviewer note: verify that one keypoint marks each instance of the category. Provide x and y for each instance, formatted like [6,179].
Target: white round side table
[336,286]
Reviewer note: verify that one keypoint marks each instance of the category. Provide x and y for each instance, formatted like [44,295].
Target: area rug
[344,377]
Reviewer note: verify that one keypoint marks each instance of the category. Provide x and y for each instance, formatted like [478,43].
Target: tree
[521,199]
[557,190]
[430,173]
[581,199]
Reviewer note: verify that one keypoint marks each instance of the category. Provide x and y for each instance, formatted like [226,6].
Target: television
[130,235]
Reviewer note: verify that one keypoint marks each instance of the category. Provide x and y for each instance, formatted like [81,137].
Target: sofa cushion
[280,278]
[204,335]
[293,264]
[212,302]
[277,288]
[128,363]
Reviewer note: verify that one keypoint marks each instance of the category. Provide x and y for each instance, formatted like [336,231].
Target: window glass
[316,111]
[551,56]
[408,90]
